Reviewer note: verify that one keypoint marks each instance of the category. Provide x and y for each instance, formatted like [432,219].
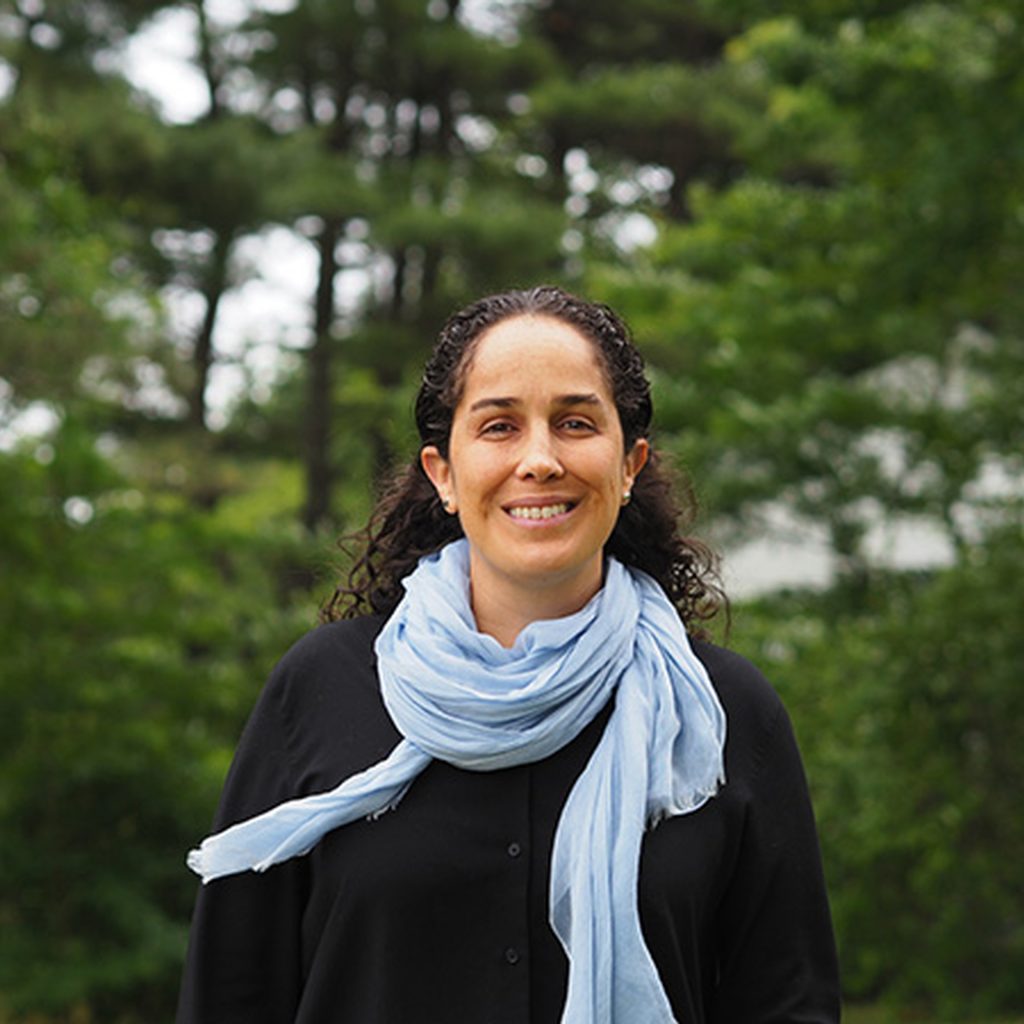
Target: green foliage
[838,310]
[57,282]
[832,310]
[911,719]
[136,635]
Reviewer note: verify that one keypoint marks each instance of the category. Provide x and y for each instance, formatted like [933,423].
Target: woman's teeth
[538,511]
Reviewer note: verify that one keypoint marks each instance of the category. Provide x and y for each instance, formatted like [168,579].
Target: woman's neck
[504,612]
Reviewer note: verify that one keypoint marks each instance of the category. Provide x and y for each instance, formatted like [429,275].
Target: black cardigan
[436,913]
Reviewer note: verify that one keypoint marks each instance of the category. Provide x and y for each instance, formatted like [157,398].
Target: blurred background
[229,232]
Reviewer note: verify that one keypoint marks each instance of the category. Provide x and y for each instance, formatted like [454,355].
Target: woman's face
[536,467]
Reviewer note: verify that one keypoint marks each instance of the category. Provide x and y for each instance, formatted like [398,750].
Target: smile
[539,511]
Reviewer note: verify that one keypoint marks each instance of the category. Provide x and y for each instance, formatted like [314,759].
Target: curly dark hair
[410,522]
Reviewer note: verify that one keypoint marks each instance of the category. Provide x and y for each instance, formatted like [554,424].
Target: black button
[512,955]
[514,849]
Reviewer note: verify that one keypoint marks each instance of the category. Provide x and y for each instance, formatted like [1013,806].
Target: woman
[497,787]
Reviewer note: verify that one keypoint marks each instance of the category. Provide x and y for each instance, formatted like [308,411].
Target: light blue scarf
[457,695]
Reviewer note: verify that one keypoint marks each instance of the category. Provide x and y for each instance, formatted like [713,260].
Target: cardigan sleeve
[777,960]
[244,959]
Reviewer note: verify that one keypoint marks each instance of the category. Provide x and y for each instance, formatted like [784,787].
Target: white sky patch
[792,552]
[582,177]
[271,312]
[7,79]
[636,231]
[79,510]
[36,420]
[908,543]
[785,553]
[158,61]
[768,564]
[273,308]
[257,321]
[159,58]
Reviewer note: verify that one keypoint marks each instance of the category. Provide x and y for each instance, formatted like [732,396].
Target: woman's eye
[574,424]
[499,427]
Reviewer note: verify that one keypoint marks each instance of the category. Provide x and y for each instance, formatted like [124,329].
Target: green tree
[137,632]
[910,717]
[406,193]
[842,323]
[135,629]
[81,324]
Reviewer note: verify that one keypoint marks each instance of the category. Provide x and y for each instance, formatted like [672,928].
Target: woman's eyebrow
[588,398]
[583,399]
[499,403]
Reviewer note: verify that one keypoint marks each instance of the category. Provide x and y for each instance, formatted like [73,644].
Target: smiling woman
[508,672]
[536,471]
[647,532]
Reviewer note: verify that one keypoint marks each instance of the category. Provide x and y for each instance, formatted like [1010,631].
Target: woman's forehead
[534,351]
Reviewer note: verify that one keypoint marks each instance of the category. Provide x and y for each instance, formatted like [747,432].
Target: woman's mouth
[535,512]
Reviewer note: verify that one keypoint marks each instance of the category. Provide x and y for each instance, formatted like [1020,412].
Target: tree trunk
[318,423]
[208,62]
[202,353]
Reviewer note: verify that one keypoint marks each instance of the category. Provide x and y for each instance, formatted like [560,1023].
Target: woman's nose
[539,459]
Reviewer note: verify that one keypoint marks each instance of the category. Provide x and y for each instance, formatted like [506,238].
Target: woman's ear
[439,473]
[636,459]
